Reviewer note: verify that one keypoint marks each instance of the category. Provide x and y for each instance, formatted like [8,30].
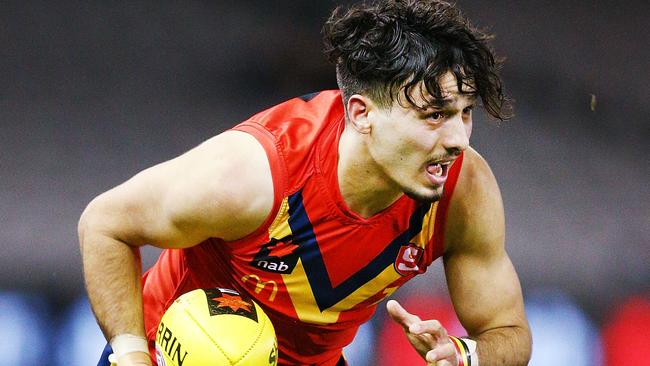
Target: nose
[456,138]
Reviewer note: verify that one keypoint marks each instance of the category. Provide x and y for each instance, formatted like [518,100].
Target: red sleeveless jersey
[316,268]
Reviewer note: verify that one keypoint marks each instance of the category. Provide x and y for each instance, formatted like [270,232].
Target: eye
[436,116]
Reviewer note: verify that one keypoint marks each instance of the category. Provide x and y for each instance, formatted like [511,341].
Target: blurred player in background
[320,207]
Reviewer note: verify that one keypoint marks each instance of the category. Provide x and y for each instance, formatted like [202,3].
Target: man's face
[415,148]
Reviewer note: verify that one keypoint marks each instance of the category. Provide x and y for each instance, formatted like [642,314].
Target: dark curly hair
[390,46]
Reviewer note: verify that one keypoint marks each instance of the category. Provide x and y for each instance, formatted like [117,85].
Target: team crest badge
[408,259]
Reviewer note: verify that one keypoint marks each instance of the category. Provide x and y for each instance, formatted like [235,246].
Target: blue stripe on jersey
[303,233]
[308,97]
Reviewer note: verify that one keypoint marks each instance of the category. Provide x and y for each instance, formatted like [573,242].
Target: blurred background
[93,92]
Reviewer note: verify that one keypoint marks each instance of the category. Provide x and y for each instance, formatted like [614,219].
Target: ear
[358,107]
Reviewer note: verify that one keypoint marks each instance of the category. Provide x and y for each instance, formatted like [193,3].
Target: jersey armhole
[278,168]
[443,207]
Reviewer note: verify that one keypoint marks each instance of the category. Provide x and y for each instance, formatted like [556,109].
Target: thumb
[400,315]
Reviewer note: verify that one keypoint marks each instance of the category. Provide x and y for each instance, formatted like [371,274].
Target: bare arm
[482,281]
[222,188]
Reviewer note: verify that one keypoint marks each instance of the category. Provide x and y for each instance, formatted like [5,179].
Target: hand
[133,359]
[428,337]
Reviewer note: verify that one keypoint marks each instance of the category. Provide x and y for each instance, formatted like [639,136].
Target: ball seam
[259,334]
[205,331]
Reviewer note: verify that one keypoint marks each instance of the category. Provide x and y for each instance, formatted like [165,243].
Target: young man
[320,207]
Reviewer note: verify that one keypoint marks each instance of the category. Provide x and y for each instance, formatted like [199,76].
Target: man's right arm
[222,188]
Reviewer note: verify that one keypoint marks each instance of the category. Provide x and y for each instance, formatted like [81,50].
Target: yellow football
[215,327]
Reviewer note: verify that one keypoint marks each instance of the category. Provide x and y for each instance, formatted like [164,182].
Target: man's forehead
[448,84]
[449,81]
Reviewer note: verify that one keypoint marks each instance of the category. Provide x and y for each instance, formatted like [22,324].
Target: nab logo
[277,256]
[407,259]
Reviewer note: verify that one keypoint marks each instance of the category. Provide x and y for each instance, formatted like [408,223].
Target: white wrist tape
[471,346]
[123,344]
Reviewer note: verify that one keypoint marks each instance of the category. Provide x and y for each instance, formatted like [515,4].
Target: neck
[365,189]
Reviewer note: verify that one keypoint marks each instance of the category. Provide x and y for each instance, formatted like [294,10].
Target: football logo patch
[222,302]
[407,259]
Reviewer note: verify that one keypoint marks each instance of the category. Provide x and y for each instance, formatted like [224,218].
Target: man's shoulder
[475,170]
[305,113]
[291,132]
[475,181]
[476,208]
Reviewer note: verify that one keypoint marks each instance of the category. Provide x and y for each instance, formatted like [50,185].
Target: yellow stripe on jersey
[300,289]
[280,227]
[305,303]
[425,235]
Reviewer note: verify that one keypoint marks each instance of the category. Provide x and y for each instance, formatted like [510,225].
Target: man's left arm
[483,284]
[482,281]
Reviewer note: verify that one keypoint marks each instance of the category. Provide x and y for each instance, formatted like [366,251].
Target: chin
[425,196]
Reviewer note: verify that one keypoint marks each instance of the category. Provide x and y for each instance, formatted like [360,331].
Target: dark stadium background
[93,92]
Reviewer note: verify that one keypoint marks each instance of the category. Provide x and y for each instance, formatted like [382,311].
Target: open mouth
[437,172]
[439,169]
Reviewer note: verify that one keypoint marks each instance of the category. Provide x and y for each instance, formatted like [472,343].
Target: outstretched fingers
[428,337]
[400,315]
[432,327]
[442,351]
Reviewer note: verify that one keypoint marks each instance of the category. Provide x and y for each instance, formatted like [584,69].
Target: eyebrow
[444,102]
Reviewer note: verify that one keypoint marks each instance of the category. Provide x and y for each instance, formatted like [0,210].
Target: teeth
[438,172]
[438,169]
